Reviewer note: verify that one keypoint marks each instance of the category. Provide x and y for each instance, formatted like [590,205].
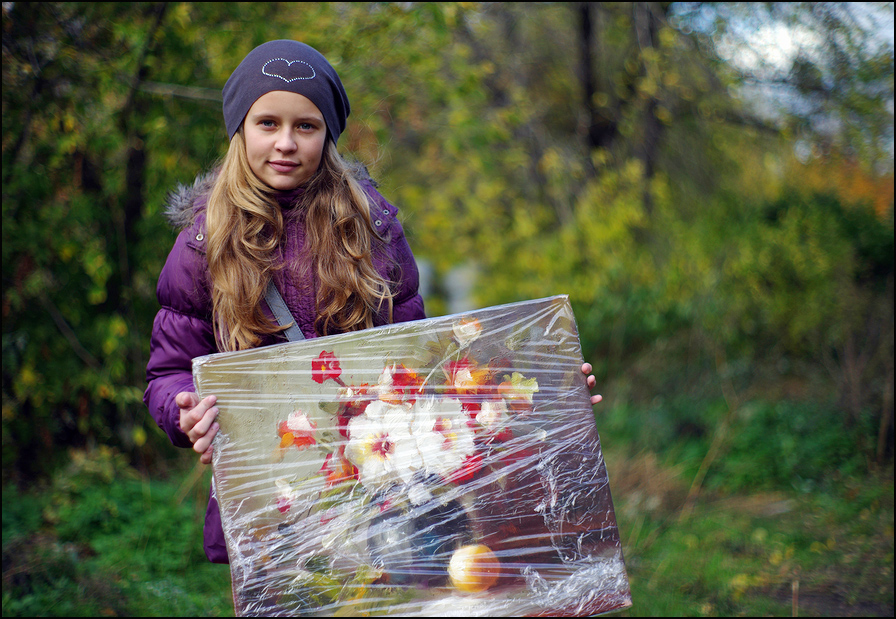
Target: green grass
[101,541]
[756,540]
[825,553]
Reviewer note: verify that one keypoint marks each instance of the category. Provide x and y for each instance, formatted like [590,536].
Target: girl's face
[285,135]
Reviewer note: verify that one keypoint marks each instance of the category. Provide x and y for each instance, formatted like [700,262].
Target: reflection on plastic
[446,467]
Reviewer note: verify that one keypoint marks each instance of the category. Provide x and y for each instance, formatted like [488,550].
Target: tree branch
[176,90]
[69,334]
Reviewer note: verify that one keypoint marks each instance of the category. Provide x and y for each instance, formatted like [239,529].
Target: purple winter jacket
[183,330]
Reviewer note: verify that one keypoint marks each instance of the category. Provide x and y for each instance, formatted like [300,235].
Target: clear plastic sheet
[444,467]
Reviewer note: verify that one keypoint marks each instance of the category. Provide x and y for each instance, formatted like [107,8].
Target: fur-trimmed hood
[179,204]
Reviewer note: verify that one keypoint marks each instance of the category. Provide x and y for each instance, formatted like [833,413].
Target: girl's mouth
[283,166]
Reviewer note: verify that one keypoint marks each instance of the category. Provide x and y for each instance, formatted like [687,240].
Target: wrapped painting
[448,467]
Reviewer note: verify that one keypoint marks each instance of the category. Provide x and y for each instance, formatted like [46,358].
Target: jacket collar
[179,204]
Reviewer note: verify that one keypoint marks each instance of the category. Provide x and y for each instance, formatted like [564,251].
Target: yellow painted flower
[518,392]
[466,377]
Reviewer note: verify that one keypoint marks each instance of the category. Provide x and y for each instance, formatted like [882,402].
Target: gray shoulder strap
[281,312]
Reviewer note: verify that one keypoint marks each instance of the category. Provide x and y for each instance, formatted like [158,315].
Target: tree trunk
[646,24]
[601,130]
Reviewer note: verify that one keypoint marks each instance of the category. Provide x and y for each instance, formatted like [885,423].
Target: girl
[283,212]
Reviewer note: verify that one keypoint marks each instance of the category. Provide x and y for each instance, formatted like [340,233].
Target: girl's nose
[285,143]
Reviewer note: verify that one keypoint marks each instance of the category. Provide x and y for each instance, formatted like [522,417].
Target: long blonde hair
[245,227]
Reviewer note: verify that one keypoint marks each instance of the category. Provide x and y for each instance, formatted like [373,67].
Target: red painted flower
[354,402]
[337,469]
[283,504]
[471,408]
[467,470]
[399,384]
[298,430]
[326,367]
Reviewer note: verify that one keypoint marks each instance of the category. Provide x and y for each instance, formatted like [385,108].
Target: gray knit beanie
[290,66]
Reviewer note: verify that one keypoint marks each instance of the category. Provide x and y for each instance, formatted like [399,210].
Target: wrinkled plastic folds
[444,467]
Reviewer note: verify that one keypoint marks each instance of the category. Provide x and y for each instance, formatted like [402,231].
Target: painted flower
[518,392]
[471,408]
[492,416]
[467,470]
[466,330]
[286,496]
[297,430]
[399,384]
[353,402]
[382,447]
[419,493]
[443,433]
[326,367]
[465,377]
[337,469]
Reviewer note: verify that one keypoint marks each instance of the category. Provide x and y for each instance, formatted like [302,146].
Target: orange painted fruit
[474,568]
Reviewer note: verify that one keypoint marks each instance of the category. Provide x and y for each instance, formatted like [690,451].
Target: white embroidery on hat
[288,64]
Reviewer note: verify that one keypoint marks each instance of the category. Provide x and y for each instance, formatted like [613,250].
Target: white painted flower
[286,495]
[298,422]
[466,330]
[390,443]
[385,381]
[418,494]
[492,416]
[463,380]
[443,435]
[381,445]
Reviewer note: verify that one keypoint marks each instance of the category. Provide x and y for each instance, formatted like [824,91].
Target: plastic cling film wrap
[444,467]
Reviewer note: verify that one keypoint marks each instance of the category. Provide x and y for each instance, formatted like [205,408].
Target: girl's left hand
[586,370]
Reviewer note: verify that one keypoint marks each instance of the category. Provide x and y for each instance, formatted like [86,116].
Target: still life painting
[448,466]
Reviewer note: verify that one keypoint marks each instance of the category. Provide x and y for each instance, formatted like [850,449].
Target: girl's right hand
[197,420]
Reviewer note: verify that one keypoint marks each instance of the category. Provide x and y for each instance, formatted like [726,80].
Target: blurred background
[710,183]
